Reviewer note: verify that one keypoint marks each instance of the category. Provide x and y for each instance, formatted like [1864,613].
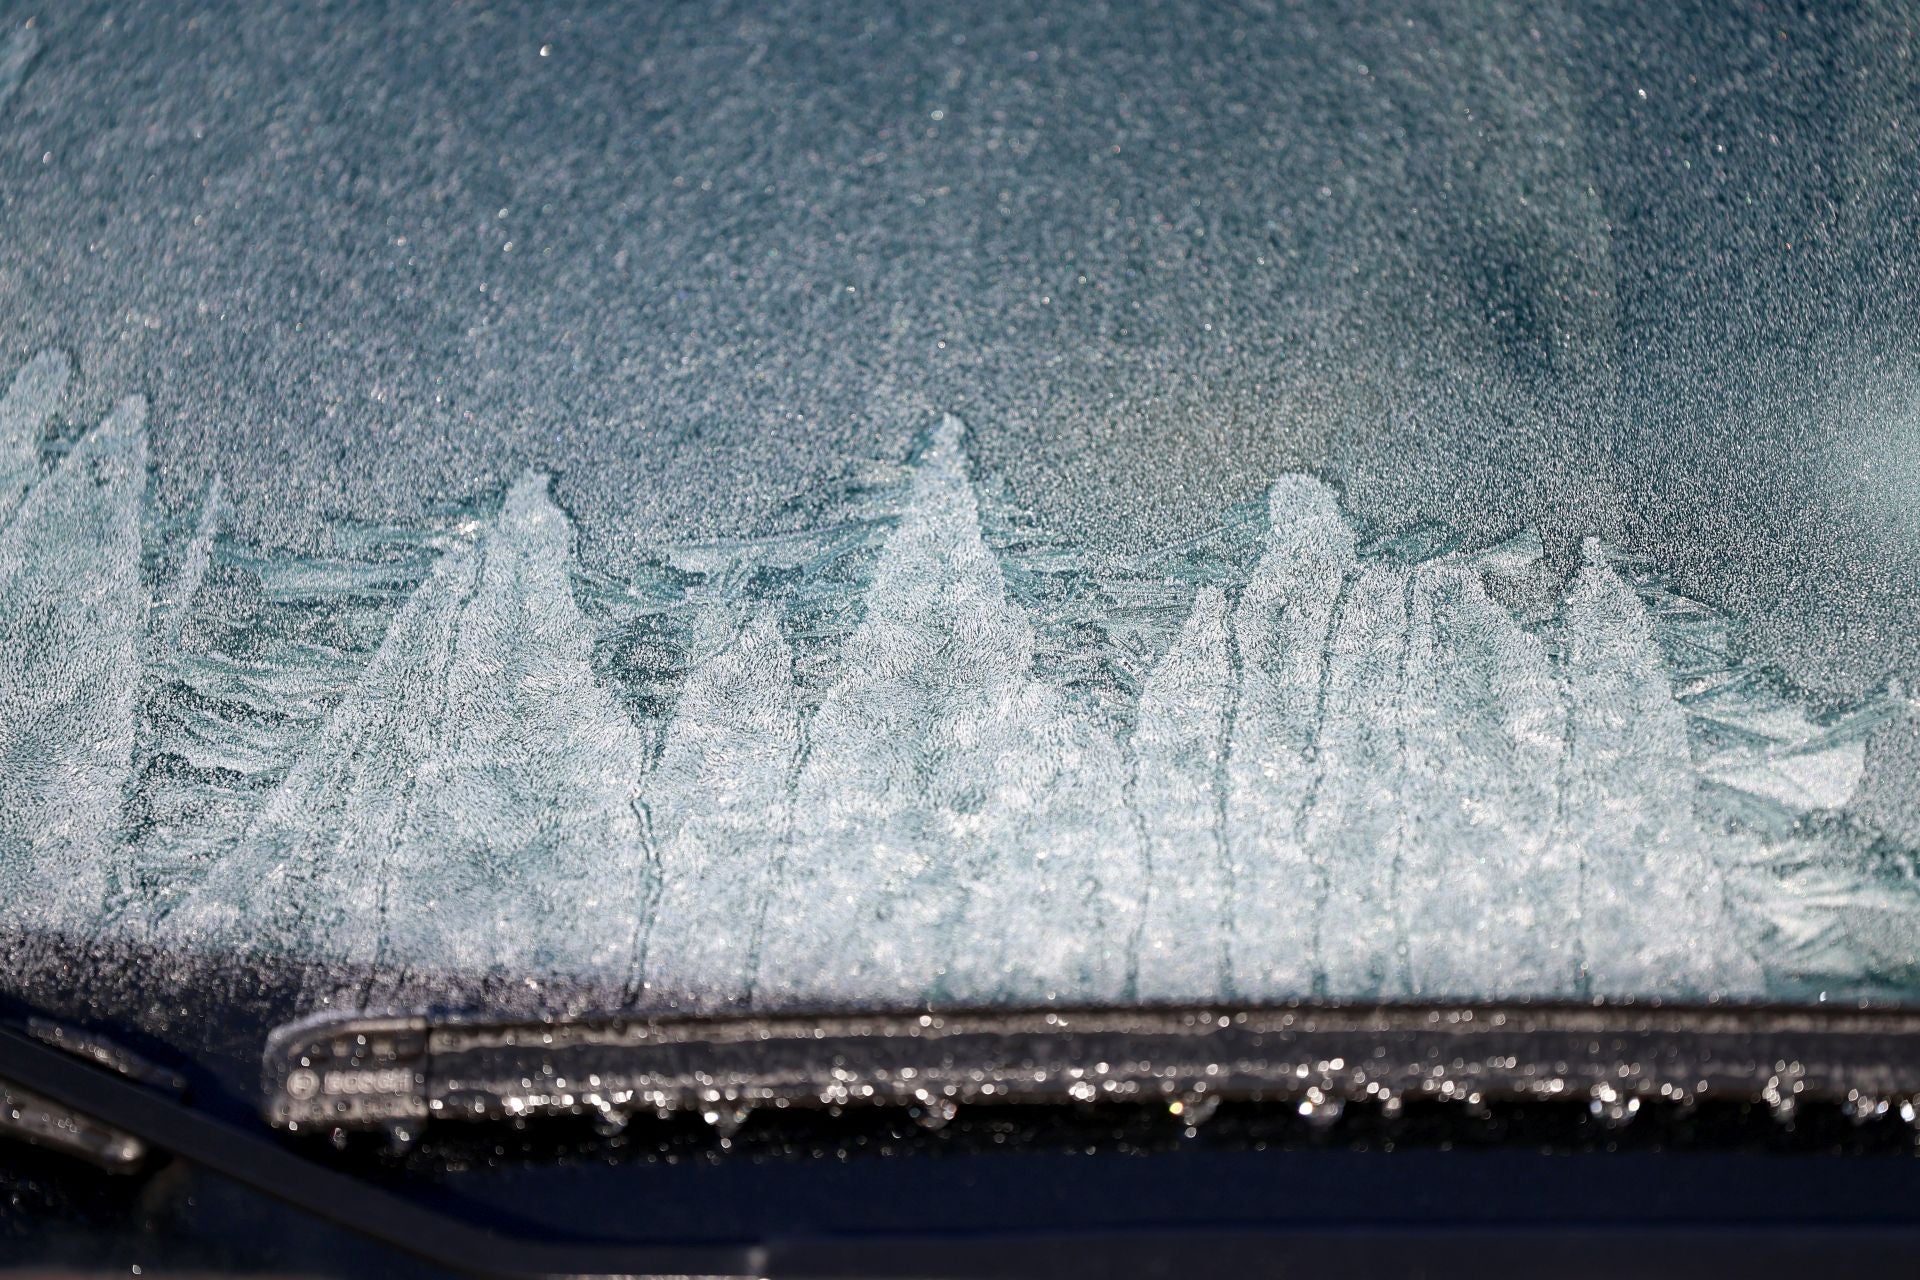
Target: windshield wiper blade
[359,1072]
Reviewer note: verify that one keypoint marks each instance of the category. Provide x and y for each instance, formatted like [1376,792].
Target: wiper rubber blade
[352,1072]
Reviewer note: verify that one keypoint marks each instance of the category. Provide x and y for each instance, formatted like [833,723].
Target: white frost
[719,802]
[1281,627]
[1343,775]
[472,803]
[1179,789]
[1653,911]
[958,829]
[71,612]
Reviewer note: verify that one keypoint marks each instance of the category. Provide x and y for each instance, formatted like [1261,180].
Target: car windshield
[772,507]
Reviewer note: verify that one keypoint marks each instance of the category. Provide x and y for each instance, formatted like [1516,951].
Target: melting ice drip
[863,778]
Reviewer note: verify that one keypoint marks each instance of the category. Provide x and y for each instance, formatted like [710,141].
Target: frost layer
[471,803]
[921,755]
[72,609]
[959,828]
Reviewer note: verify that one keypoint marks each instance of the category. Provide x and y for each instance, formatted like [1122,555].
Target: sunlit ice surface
[919,753]
[1330,525]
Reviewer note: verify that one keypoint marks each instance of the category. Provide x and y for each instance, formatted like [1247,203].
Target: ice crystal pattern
[919,753]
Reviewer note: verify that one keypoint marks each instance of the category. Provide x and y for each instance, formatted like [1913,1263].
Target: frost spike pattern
[72,607]
[1652,894]
[1489,907]
[1345,775]
[954,819]
[30,400]
[1179,750]
[17,52]
[1281,628]
[1353,824]
[720,799]
[471,805]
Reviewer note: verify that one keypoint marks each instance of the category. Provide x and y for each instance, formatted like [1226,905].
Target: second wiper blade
[368,1072]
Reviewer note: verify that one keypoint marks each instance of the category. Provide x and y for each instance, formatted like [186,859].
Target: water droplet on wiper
[1863,1108]
[1611,1109]
[726,1119]
[1193,1110]
[1320,1110]
[1782,1098]
[936,1114]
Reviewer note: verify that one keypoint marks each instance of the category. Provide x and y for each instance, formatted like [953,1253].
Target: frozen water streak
[1653,914]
